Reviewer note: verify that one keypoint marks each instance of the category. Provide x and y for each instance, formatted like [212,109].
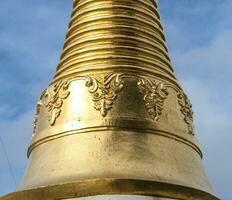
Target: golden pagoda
[114,120]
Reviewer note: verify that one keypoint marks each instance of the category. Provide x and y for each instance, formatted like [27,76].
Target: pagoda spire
[114,120]
[115,35]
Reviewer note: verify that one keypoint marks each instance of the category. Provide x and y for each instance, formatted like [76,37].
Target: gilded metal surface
[114,120]
[186,109]
[120,197]
[36,118]
[54,99]
[154,95]
[110,187]
[104,89]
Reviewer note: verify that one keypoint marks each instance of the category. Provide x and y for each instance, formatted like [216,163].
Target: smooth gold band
[111,187]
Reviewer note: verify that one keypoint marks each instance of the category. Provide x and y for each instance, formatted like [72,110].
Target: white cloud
[213,60]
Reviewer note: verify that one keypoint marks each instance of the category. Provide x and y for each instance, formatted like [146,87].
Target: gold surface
[114,120]
[110,186]
[120,197]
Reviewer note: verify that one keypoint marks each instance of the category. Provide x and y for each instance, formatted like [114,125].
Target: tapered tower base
[114,120]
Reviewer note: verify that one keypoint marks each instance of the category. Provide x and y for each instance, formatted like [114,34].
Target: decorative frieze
[54,98]
[38,109]
[186,109]
[104,89]
[155,93]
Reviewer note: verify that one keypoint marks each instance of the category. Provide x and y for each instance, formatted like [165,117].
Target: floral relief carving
[186,109]
[36,118]
[54,98]
[155,93]
[104,89]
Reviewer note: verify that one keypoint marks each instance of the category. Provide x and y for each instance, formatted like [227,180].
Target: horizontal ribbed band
[114,33]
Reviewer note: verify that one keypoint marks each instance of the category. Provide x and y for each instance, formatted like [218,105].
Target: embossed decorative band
[54,97]
[186,109]
[38,108]
[104,89]
[155,93]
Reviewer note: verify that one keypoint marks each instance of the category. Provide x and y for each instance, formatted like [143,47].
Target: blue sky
[199,34]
